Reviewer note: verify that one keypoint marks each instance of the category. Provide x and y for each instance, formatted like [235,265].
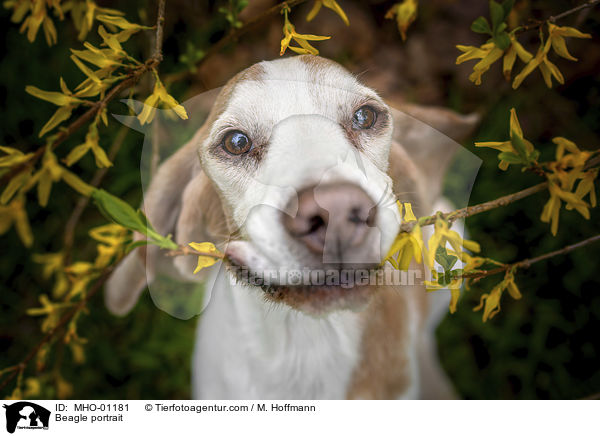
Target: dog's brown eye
[236,142]
[364,118]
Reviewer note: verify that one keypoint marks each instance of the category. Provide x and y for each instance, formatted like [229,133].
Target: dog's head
[296,171]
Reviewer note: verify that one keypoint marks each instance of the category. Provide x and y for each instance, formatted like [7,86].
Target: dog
[297,168]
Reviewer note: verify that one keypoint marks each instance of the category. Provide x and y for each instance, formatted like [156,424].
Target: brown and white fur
[369,342]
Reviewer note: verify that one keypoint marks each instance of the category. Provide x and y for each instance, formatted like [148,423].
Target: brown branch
[554,18]
[489,205]
[476,209]
[232,36]
[526,263]
[160,24]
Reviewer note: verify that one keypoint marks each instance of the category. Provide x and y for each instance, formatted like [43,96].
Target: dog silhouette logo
[26,415]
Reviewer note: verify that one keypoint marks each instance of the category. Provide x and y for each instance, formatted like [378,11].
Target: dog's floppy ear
[425,140]
[164,203]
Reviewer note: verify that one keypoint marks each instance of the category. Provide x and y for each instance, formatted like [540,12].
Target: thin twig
[589,4]
[476,209]
[554,18]
[160,24]
[488,205]
[526,263]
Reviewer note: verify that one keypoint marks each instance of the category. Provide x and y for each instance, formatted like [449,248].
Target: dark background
[543,346]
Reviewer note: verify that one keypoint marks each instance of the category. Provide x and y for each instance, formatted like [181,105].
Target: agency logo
[26,415]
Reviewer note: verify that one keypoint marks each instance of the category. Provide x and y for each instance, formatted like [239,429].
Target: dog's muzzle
[332,220]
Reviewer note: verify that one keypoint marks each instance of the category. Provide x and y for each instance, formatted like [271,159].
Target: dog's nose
[339,214]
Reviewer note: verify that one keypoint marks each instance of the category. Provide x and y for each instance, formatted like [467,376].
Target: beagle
[296,172]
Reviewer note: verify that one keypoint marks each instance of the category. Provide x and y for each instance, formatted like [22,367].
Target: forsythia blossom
[289,33]
[405,13]
[331,4]
[203,248]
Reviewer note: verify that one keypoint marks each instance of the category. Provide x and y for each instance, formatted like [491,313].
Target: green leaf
[534,155]
[446,260]
[122,213]
[135,244]
[118,211]
[481,25]
[507,6]
[509,157]
[444,279]
[502,40]
[519,145]
[497,14]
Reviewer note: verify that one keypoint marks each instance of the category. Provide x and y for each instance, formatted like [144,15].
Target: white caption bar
[297,417]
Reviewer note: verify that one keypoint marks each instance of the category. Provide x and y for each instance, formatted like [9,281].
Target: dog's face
[295,170]
[298,151]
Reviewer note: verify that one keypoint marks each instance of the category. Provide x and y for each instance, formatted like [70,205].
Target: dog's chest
[248,348]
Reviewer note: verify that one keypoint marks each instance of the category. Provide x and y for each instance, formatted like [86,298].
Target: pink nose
[339,214]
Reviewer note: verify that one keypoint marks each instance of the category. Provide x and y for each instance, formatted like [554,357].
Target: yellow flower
[289,32]
[564,145]
[551,210]
[50,309]
[565,172]
[331,4]
[443,235]
[507,148]
[15,214]
[52,172]
[406,14]
[160,95]
[471,263]
[13,157]
[515,49]
[555,41]
[488,53]
[547,68]
[491,302]
[409,215]
[113,238]
[405,248]
[205,248]
[586,186]
[57,98]
[80,274]
[556,36]
[53,266]
[91,143]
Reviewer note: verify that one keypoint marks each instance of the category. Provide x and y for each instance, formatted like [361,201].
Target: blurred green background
[544,346]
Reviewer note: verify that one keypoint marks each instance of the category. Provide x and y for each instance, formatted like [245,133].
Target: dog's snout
[339,214]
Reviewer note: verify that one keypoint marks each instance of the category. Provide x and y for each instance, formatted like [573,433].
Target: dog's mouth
[317,290]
